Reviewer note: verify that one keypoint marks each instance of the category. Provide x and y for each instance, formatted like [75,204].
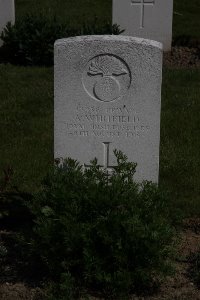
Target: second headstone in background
[7,14]
[150,19]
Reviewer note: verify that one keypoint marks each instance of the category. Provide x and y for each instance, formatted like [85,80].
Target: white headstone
[150,19]
[7,14]
[108,96]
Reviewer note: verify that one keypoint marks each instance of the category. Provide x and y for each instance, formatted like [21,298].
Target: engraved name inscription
[114,122]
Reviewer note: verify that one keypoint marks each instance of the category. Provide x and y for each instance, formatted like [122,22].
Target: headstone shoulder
[110,38]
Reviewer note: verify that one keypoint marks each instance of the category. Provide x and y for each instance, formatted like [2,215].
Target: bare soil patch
[180,286]
[182,57]
[19,291]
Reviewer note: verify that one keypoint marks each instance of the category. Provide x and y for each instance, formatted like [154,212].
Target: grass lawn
[186,18]
[26,116]
[26,122]
[180,142]
[73,11]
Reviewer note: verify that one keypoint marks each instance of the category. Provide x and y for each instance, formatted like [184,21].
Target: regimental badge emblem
[106,78]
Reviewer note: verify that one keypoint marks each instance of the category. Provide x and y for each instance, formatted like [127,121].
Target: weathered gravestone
[150,19]
[107,96]
[7,14]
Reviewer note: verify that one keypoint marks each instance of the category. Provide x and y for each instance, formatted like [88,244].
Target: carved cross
[142,4]
[106,164]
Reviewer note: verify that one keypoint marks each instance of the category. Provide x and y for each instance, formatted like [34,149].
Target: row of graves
[149,19]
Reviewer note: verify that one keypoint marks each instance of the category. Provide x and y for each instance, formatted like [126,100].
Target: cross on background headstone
[142,4]
[148,19]
[106,164]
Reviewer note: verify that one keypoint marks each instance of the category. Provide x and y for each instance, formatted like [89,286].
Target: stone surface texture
[150,19]
[7,14]
[108,96]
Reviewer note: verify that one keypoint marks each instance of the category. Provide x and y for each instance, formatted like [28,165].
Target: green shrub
[13,203]
[101,232]
[30,41]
